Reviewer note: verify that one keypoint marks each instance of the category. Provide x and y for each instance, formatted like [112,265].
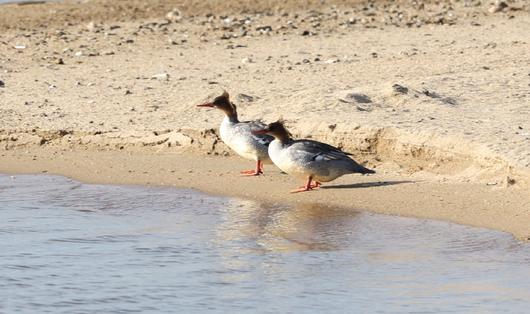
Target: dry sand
[434,96]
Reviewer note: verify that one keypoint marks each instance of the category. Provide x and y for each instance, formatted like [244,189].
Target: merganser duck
[238,134]
[308,159]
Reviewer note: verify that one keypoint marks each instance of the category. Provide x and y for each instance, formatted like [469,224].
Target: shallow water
[69,247]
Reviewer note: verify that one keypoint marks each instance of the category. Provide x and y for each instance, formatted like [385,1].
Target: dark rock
[355,98]
[244,98]
[400,89]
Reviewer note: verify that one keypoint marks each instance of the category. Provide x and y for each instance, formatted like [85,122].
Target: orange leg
[256,172]
[308,186]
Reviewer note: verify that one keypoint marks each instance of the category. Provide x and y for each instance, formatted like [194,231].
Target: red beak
[206,104]
[260,132]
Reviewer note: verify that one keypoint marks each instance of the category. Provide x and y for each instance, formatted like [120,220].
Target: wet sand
[434,93]
[465,203]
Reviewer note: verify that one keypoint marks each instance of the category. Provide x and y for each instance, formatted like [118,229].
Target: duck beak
[206,104]
[260,132]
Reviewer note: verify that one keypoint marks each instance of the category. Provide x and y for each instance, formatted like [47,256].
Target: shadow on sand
[366,184]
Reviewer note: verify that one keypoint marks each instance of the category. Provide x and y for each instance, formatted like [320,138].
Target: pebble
[355,98]
[174,15]
[161,77]
[244,98]
[2,84]
[399,89]
[247,60]
[498,6]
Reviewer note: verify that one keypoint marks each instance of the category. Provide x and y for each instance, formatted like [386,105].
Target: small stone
[127,92]
[2,84]
[247,60]
[244,98]
[78,54]
[59,61]
[161,77]
[264,29]
[91,26]
[399,89]
[355,98]
[20,47]
[498,6]
[174,15]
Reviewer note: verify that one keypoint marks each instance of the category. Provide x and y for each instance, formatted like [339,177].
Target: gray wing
[263,139]
[321,152]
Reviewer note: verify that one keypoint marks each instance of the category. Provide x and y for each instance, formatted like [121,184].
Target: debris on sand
[399,89]
[355,97]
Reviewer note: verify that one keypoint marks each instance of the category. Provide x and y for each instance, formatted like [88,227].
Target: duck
[308,159]
[238,136]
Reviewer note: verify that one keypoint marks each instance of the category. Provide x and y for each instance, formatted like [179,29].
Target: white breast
[284,159]
[238,138]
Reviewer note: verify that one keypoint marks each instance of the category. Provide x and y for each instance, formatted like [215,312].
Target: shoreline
[432,94]
[476,205]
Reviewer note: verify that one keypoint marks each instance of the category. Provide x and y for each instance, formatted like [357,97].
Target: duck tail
[360,169]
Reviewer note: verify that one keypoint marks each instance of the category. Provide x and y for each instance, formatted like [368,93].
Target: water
[69,247]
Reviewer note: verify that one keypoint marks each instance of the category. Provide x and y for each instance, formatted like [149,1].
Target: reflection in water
[277,228]
[76,248]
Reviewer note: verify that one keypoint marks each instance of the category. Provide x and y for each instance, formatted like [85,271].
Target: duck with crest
[308,159]
[238,134]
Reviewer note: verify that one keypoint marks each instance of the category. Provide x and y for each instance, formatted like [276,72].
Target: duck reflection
[268,227]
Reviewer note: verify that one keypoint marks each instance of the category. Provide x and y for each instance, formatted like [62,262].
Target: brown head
[222,103]
[276,129]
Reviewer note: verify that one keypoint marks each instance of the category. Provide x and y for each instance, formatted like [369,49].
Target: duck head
[224,104]
[276,129]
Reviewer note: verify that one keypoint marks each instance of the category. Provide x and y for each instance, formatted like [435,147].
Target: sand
[435,97]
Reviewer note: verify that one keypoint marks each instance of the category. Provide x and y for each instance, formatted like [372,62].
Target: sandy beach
[434,96]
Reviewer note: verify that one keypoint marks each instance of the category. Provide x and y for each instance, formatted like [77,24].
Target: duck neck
[283,137]
[231,116]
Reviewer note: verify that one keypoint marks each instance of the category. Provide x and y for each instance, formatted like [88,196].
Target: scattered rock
[178,139]
[498,6]
[435,95]
[247,60]
[364,107]
[264,29]
[174,15]
[91,26]
[244,98]
[161,77]
[355,97]
[330,61]
[399,89]
[508,181]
